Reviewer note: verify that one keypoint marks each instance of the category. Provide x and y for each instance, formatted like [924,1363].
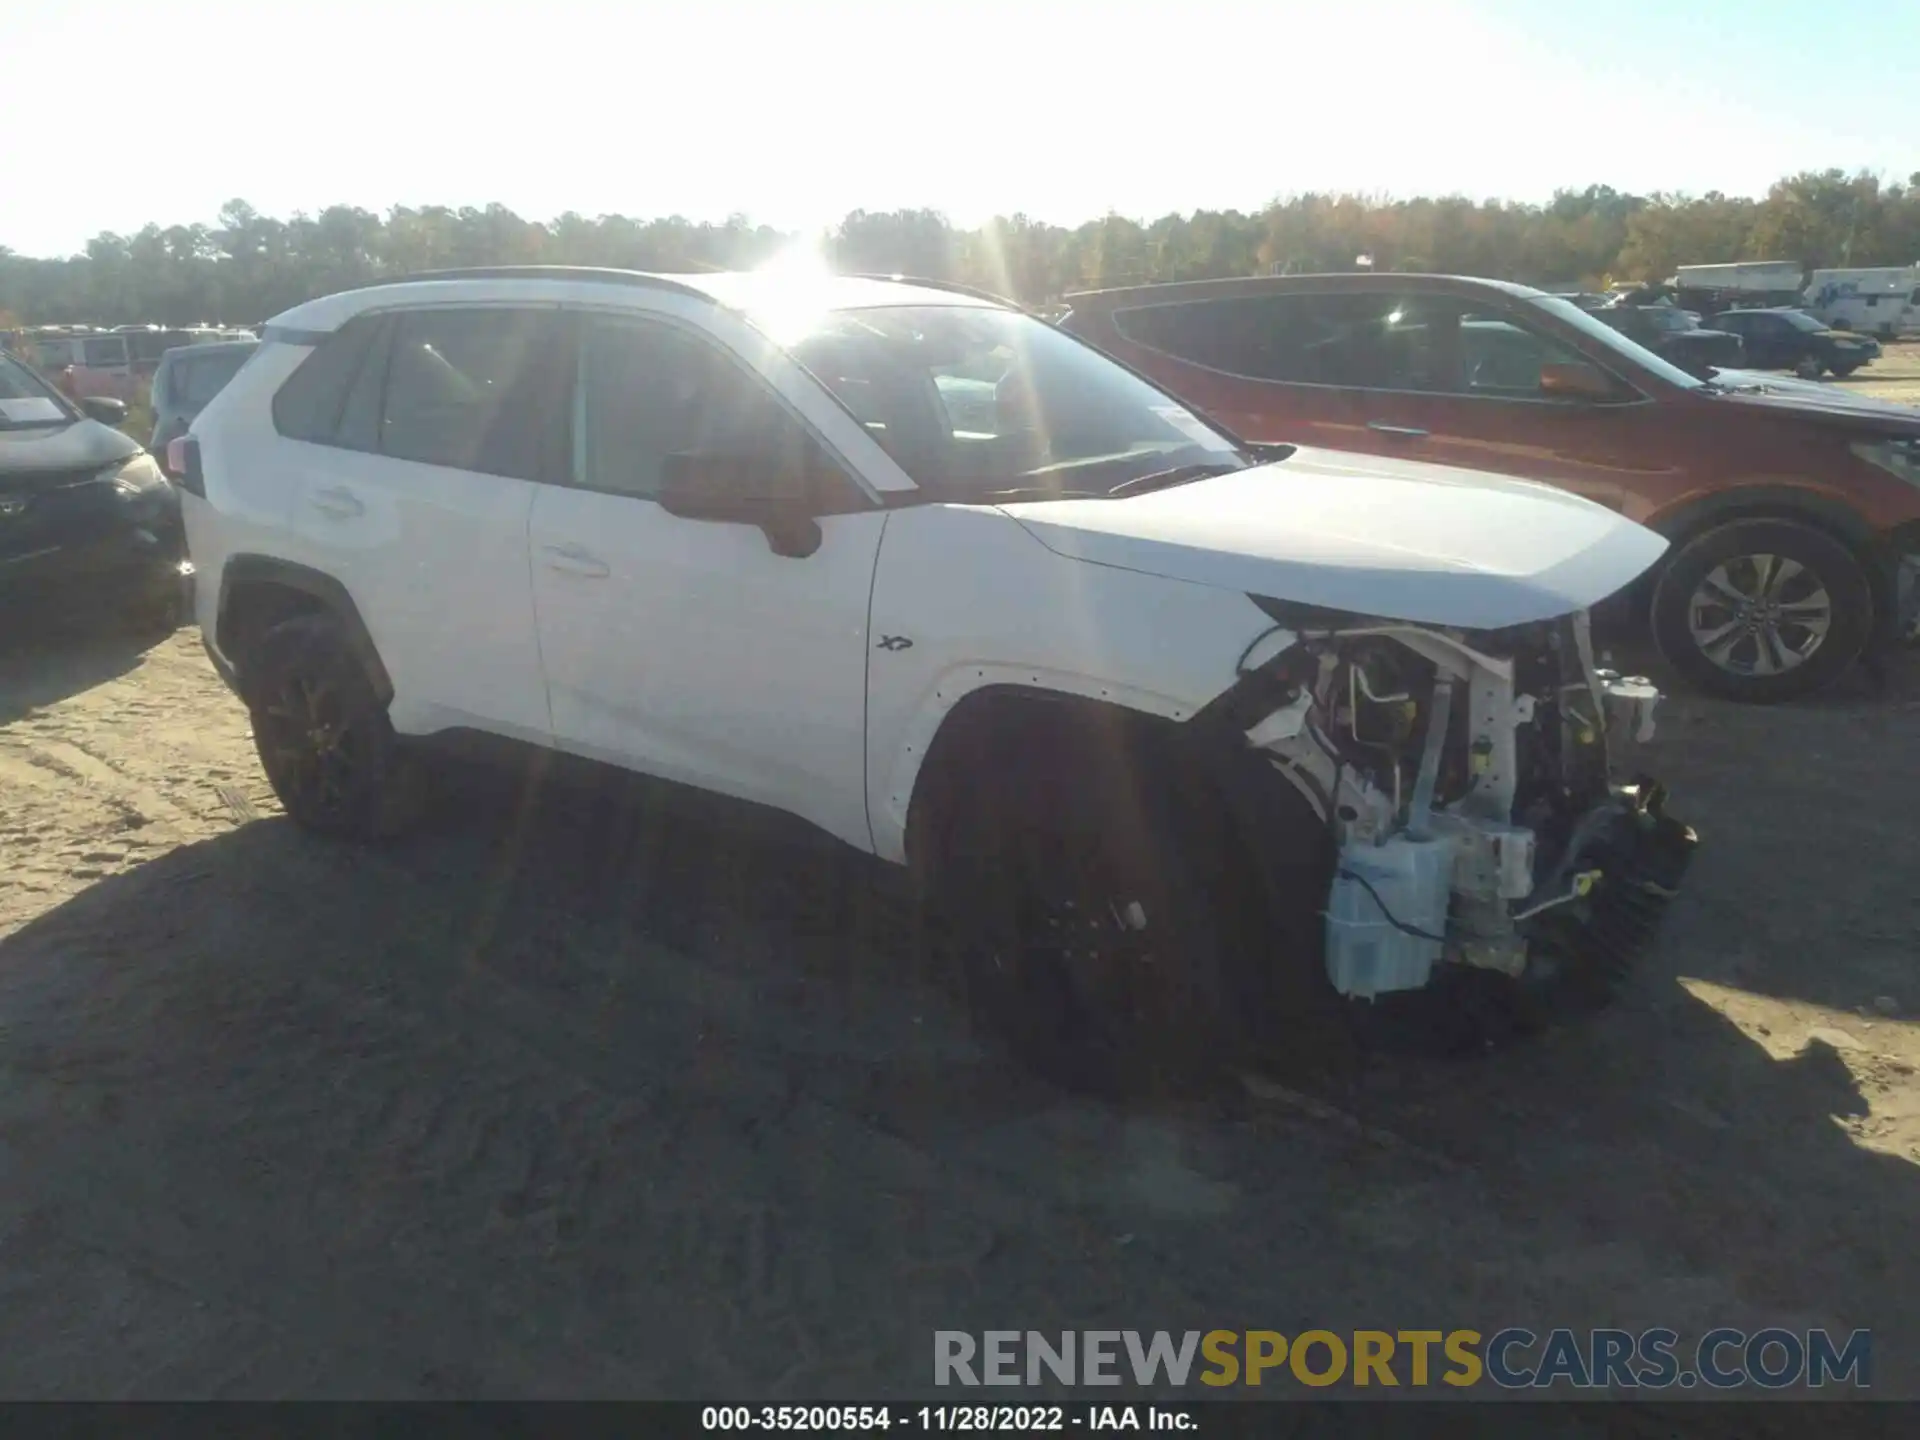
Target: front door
[689,649]
[1452,382]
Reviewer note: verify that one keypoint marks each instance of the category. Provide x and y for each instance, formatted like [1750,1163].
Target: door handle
[572,560]
[339,502]
[1404,432]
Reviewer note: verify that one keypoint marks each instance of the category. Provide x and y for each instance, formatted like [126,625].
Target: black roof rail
[544,272]
[950,285]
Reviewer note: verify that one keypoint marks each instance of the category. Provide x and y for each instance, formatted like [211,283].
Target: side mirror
[105,409]
[1575,382]
[741,489]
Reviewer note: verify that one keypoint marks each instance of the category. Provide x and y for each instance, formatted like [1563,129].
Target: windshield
[1665,319]
[25,399]
[1606,335]
[1800,320]
[971,402]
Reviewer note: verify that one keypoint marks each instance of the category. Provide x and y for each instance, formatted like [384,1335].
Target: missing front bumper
[1638,855]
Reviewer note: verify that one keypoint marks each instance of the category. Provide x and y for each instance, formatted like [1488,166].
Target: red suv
[1794,511]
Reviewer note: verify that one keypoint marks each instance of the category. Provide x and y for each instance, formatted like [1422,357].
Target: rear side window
[467,389]
[307,406]
[105,353]
[196,381]
[1364,340]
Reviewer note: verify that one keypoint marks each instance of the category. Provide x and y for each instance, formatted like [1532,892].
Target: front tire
[1840,372]
[1763,610]
[323,735]
[1809,368]
[1108,929]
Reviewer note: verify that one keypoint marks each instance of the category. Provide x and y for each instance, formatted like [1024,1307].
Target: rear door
[1251,364]
[419,499]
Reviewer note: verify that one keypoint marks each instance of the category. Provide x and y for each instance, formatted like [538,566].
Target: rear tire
[323,735]
[1809,368]
[1763,610]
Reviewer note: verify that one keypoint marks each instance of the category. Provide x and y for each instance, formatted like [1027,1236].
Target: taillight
[182,464]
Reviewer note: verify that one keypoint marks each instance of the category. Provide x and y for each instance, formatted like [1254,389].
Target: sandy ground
[1894,376]
[511,1109]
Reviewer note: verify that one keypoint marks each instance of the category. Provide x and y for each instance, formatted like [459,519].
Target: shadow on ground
[569,1097]
[43,660]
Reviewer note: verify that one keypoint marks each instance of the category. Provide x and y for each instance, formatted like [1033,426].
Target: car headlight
[1897,457]
[138,476]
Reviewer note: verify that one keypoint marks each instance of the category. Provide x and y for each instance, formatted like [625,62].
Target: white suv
[1166,723]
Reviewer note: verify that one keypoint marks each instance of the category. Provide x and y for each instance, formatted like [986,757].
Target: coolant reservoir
[1409,880]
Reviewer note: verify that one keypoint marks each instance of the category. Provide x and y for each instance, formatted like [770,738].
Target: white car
[1167,726]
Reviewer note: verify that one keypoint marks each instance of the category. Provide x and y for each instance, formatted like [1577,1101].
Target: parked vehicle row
[115,363]
[1170,726]
[1882,301]
[1794,517]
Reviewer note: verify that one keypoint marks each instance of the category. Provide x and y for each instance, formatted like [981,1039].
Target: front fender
[970,600]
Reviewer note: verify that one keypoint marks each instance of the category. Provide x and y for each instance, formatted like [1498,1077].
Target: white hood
[1389,538]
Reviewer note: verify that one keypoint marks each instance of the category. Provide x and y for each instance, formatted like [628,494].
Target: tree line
[246,266]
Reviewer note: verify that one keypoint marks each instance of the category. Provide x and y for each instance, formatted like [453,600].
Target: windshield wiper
[1167,479]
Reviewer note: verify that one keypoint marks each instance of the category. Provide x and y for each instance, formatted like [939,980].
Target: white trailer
[1760,277]
[1881,300]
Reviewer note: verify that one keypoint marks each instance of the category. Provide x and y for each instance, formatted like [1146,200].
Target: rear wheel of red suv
[1762,610]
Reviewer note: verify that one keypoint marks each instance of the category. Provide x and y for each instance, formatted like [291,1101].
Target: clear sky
[120,112]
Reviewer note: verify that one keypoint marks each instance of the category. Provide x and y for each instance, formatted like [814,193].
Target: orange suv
[1793,510]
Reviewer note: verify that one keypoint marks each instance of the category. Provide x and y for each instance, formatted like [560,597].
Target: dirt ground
[1894,376]
[507,1111]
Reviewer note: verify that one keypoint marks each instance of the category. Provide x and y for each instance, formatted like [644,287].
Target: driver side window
[647,390]
[1502,358]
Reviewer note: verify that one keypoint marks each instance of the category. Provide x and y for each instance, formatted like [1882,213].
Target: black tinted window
[463,390]
[105,353]
[196,381]
[651,390]
[1360,340]
[307,405]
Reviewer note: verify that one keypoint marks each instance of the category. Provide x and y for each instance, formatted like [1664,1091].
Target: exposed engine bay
[1466,781]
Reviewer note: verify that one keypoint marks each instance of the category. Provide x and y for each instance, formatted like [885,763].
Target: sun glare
[796,295]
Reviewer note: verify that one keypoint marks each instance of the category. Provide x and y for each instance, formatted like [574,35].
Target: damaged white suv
[1166,725]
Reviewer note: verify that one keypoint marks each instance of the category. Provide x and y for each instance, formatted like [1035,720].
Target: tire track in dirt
[76,763]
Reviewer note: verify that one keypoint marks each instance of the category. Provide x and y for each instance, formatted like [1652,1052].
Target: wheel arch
[1688,521]
[1008,724]
[259,591]
[1001,723]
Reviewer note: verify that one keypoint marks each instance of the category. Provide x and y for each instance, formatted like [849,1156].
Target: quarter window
[307,404]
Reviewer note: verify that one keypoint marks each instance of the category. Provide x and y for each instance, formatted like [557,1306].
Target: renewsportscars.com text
[1512,1358]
